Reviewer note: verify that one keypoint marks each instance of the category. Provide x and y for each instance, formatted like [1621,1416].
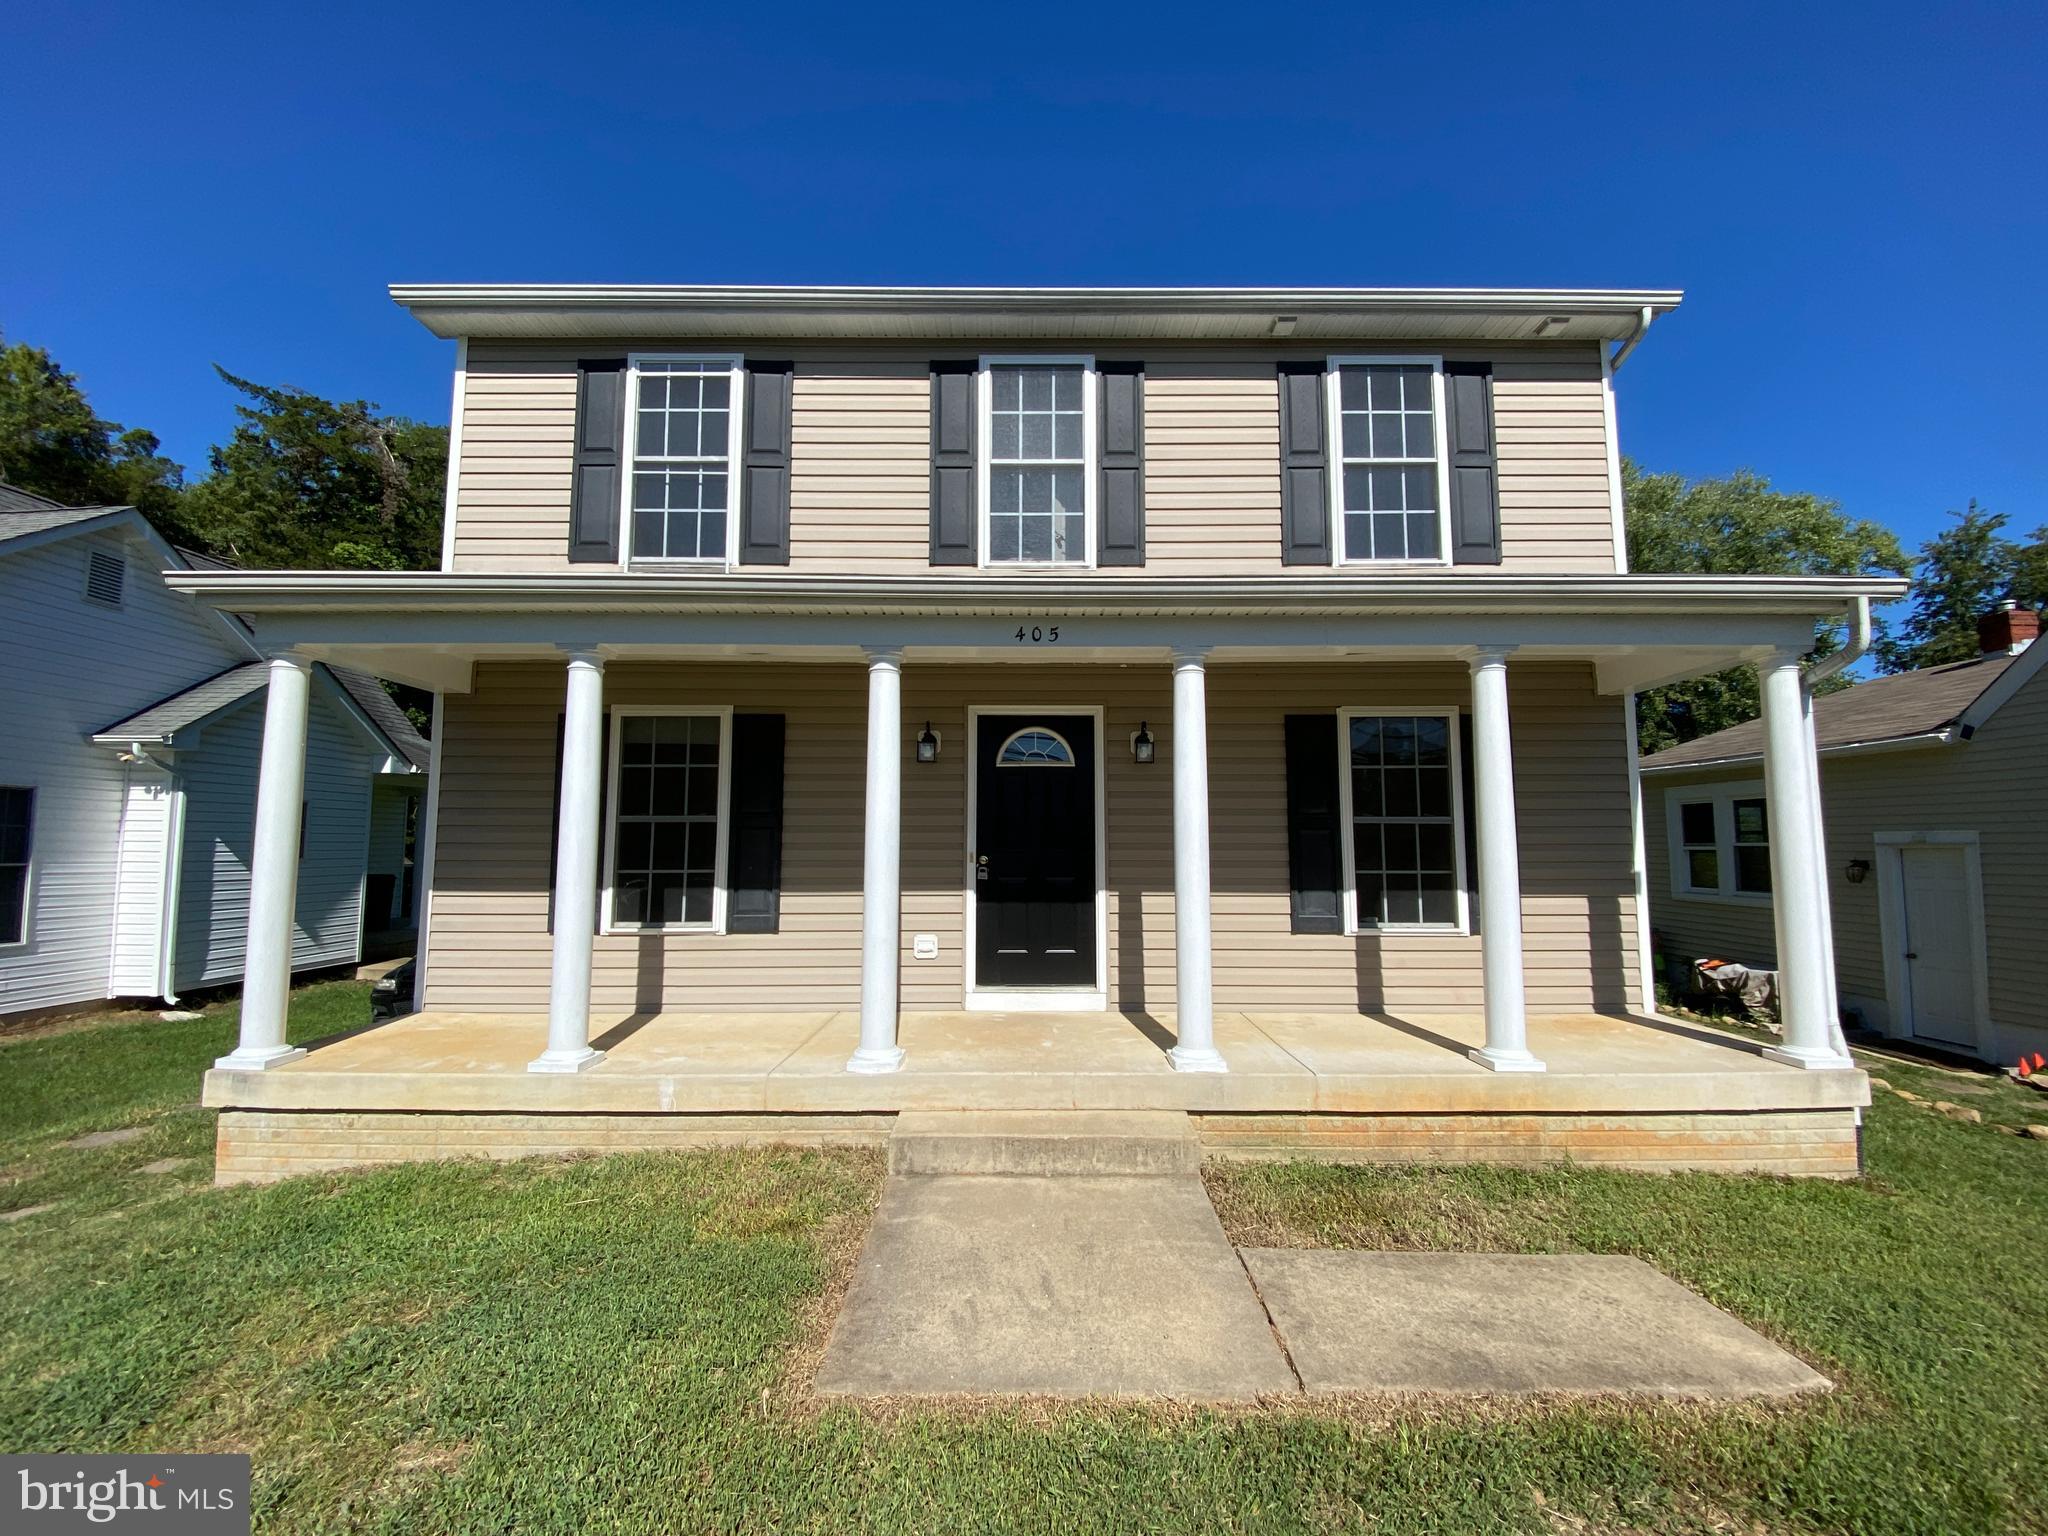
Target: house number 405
[1038,634]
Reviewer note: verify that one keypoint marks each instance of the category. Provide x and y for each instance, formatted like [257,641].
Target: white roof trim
[2016,676]
[257,592]
[570,309]
[1841,749]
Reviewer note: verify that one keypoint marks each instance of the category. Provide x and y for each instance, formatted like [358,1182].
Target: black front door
[1034,841]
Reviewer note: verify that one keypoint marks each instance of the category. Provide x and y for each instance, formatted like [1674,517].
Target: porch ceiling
[431,628]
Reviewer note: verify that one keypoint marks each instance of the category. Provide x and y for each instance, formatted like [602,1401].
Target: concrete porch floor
[1280,1063]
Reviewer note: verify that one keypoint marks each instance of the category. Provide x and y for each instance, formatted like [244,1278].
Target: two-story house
[852,700]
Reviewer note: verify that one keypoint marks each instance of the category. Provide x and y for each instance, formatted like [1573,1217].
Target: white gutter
[1648,315]
[419,591]
[1850,654]
[1942,738]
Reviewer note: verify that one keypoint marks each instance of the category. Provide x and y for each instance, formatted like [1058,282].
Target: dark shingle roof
[374,700]
[14,499]
[1883,709]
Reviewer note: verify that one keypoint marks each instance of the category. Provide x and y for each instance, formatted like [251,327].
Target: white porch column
[1805,989]
[1500,868]
[569,1048]
[881,921]
[274,870]
[1194,979]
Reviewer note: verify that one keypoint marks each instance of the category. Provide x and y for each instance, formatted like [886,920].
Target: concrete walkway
[1088,1286]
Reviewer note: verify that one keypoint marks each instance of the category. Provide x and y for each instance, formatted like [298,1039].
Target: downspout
[1857,646]
[1642,329]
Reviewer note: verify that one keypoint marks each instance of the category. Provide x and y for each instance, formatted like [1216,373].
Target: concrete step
[1057,1141]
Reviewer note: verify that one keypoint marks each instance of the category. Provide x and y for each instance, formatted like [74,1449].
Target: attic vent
[105,576]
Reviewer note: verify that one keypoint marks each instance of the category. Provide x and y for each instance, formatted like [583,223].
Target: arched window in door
[1035,747]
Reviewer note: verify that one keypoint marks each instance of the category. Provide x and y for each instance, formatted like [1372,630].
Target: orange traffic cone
[2023,1070]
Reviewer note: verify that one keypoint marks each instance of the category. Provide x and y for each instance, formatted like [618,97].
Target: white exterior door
[1940,943]
[141,880]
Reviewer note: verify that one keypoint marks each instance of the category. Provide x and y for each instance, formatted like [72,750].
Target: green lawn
[618,1344]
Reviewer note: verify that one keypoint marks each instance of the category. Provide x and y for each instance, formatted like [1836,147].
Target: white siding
[144,846]
[219,775]
[68,667]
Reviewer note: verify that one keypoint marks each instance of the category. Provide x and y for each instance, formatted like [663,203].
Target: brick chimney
[2007,630]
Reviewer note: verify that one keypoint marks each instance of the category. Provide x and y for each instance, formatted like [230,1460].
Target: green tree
[1733,526]
[1962,573]
[54,444]
[319,484]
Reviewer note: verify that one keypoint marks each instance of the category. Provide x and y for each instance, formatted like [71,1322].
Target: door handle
[982,859]
[1911,956]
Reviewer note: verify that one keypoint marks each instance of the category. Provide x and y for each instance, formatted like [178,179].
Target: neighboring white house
[1930,783]
[133,721]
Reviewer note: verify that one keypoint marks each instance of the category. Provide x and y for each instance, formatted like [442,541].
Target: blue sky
[1852,197]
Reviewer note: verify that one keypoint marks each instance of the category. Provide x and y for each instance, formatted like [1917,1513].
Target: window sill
[1725,898]
[641,930]
[1412,930]
[717,564]
[1038,565]
[1386,565]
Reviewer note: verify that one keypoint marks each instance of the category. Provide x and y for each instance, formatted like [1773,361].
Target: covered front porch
[1619,1090]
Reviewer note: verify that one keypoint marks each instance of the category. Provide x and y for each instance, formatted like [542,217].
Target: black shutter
[764,466]
[604,786]
[754,837]
[1121,501]
[597,489]
[953,469]
[1304,467]
[1315,856]
[1475,505]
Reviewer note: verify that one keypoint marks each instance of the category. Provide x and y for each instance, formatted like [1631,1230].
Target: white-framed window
[17,855]
[1720,840]
[1401,788]
[683,453]
[1390,488]
[669,794]
[1037,460]
[1036,746]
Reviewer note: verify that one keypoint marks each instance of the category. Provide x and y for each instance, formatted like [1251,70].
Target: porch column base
[1504,1059]
[569,1060]
[1197,1058]
[875,1059]
[255,1058]
[1813,1060]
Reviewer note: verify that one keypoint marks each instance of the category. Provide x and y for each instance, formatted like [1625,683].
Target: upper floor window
[17,847]
[1391,488]
[1720,839]
[1039,425]
[683,426]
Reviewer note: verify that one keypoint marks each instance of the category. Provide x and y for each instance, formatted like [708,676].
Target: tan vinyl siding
[1985,785]
[860,466]
[490,945]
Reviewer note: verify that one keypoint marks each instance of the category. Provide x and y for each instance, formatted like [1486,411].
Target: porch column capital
[1192,654]
[1490,655]
[1784,656]
[593,656]
[274,869]
[889,656]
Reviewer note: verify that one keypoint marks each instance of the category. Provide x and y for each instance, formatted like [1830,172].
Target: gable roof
[180,711]
[375,700]
[19,522]
[14,499]
[1884,709]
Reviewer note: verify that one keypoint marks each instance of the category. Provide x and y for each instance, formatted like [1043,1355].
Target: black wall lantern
[1141,744]
[1858,871]
[927,745]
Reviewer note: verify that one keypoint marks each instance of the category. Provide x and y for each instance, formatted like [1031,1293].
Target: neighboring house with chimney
[1931,786]
[133,724]
[860,700]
